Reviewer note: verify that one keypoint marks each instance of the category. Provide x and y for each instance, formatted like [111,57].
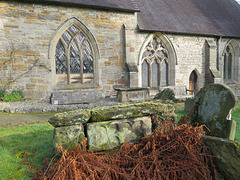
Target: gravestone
[189,103]
[166,94]
[212,106]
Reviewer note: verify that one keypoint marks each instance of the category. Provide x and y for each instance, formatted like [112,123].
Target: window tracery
[155,64]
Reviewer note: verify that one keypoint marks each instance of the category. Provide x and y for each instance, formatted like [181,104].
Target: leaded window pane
[87,59]
[228,49]
[224,66]
[147,53]
[73,30]
[164,73]
[80,39]
[66,37]
[155,74]
[230,66]
[61,59]
[74,59]
[145,74]
[154,43]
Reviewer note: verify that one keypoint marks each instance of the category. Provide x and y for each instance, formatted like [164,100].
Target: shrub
[13,96]
[20,92]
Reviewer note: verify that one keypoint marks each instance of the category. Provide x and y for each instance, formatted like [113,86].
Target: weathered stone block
[19,67]
[109,135]
[42,87]
[69,137]
[30,86]
[107,63]
[70,118]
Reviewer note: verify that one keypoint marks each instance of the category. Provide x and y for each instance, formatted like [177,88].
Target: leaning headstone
[212,107]
[166,94]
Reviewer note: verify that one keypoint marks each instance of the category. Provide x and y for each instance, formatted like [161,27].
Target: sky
[238,1]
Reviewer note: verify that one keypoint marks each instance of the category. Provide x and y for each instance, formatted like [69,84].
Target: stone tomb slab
[212,107]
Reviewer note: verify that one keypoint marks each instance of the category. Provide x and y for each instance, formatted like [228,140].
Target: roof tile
[202,17]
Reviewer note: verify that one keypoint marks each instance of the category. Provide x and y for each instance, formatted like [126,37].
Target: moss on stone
[133,110]
[98,117]
[70,118]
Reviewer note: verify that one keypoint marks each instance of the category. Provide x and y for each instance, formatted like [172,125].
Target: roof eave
[188,33]
[70,4]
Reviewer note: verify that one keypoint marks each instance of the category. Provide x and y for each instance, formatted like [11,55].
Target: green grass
[180,113]
[33,141]
[236,117]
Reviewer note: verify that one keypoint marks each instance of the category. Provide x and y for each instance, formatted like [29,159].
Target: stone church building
[87,48]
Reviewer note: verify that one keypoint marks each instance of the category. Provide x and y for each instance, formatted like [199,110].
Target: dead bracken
[169,153]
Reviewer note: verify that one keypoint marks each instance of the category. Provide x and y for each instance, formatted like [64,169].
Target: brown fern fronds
[169,153]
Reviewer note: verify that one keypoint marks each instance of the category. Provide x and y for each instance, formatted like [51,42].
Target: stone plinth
[132,94]
[70,97]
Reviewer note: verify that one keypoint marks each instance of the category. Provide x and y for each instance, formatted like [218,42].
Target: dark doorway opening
[193,83]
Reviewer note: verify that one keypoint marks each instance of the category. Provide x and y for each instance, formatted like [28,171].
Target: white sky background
[238,1]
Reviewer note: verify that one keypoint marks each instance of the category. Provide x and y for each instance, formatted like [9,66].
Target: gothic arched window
[74,57]
[155,64]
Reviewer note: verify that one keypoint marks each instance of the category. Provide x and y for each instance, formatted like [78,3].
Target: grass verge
[236,117]
[22,148]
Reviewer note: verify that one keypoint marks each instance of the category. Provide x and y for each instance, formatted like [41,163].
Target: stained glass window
[74,56]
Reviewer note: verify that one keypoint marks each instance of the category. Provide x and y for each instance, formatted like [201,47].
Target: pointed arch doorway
[193,83]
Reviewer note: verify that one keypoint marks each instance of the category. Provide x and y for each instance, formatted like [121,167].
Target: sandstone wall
[26,31]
